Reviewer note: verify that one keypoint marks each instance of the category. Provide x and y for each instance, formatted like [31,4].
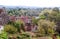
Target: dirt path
[42,38]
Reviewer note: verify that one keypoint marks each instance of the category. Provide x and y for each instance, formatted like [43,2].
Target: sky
[35,3]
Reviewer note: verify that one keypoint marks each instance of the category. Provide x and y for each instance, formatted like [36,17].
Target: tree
[52,15]
[44,14]
[34,20]
[19,24]
[46,27]
[56,9]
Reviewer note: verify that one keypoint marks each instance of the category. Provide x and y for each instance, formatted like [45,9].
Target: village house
[26,19]
[4,18]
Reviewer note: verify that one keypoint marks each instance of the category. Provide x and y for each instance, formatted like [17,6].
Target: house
[12,18]
[4,18]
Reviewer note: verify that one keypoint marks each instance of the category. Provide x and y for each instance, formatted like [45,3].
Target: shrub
[24,35]
[3,35]
[46,27]
[10,29]
[19,24]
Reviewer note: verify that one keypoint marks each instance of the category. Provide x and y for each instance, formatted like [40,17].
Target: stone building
[4,18]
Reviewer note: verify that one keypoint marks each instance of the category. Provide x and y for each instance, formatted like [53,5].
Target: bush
[19,24]
[24,35]
[3,35]
[20,36]
[46,27]
[10,29]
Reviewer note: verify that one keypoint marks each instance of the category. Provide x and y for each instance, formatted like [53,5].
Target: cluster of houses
[29,26]
[26,19]
[4,19]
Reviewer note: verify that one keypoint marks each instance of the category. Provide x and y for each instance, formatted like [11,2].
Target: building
[4,18]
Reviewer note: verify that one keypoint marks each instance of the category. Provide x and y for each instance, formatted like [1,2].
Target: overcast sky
[36,3]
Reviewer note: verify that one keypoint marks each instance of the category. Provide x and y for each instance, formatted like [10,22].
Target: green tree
[19,24]
[34,20]
[46,27]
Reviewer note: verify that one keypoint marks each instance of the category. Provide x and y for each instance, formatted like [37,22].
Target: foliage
[42,17]
[58,17]
[13,12]
[34,20]
[46,27]
[3,35]
[44,14]
[24,35]
[50,14]
[56,9]
[10,29]
[46,22]
[19,24]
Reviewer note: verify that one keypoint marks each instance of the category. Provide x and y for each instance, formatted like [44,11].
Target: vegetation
[47,24]
[3,35]
[46,27]
[10,29]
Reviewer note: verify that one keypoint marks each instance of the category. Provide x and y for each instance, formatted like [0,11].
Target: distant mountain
[27,7]
[18,6]
[1,6]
